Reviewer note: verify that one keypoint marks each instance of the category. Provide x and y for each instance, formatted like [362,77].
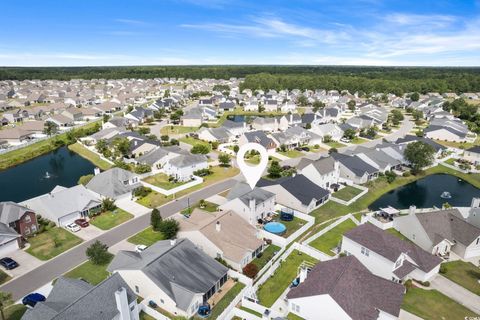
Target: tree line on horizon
[397,80]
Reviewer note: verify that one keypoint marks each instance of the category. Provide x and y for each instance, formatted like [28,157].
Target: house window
[365,251]
[33,228]
[137,289]
[297,308]
[125,182]
[26,230]
[398,263]
[27,219]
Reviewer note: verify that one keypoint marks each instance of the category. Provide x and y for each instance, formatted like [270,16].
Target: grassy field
[463,273]
[332,238]
[335,144]
[192,141]
[90,156]
[92,273]
[168,130]
[267,255]
[107,220]
[347,193]
[4,277]
[291,153]
[379,187]
[15,312]
[15,157]
[292,226]
[51,243]
[161,180]
[271,290]
[433,305]
[146,237]
[155,199]
[226,300]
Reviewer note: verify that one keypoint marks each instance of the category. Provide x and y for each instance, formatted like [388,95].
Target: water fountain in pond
[47,175]
[445,195]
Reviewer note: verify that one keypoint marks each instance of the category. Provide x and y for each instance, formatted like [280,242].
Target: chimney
[412,209]
[475,203]
[122,304]
[96,171]
[173,242]
[303,274]
[218,226]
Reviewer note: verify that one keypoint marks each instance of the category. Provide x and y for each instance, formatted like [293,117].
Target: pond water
[30,179]
[426,193]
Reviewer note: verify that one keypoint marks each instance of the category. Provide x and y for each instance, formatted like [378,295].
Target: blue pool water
[275,227]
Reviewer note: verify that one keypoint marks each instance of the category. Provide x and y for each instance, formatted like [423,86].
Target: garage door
[9,247]
[63,221]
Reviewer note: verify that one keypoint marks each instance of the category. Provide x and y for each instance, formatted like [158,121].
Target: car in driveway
[73,227]
[82,223]
[8,263]
[32,299]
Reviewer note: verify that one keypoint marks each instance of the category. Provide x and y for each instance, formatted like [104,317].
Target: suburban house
[178,276]
[182,167]
[355,169]
[158,157]
[324,172]
[220,135]
[258,137]
[441,232]
[111,299]
[193,118]
[447,130]
[267,124]
[65,205]
[296,137]
[251,205]
[139,115]
[9,240]
[473,155]
[19,218]
[297,193]
[223,234]
[61,121]
[328,129]
[388,256]
[15,136]
[235,128]
[344,289]
[114,183]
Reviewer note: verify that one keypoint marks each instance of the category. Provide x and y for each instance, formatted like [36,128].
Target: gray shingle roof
[110,183]
[357,291]
[11,212]
[186,160]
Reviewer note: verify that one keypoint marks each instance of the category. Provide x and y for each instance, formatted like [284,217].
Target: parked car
[32,299]
[140,247]
[345,140]
[82,223]
[306,149]
[73,227]
[8,263]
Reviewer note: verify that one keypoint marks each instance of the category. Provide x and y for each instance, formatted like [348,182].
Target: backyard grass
[291,153]
[272,289]
[332,238]
[51,243]
[258,314]
[90,156]
[161,180]
[15,312]
[167,130]
[92,273]
[154,199]
[292,226]
[109,219]
[433,305]
[459,145]
[450,161]
[394,232]
[266,256]
[335,144]
[347,193]
[226,300]
[463,273]
[146,237]
[4,277]
[192,141]
[144,316]
[358,140]
[292,316]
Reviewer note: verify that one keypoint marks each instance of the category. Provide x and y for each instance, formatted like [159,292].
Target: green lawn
[347,193]
[335,144]
[358,140]
[397,234]
[226,300]
[451,161]
[161,180]
[292,316]
[292,226]
[258,314]
[255,159]
[15,312]
[4,277]
[266,256]
[208,206]
[168,130]
[193,141]
[51,243]
[155,199]
[463,273]
[433,305]
[90,156]
[108,219]
[332,238]
[291,153]
[459,145]
[92,273]
[144,316]
[271,290]
[146,237]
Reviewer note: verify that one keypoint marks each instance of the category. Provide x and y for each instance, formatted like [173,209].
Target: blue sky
[179,32]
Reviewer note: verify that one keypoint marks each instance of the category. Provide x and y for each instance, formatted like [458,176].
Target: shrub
[108,204]
[443,269]
[98,253]
[155,219]
[169,228]
[406,174]
[142,192]
[142,168]
[200,149]
[203,172]
[250,270]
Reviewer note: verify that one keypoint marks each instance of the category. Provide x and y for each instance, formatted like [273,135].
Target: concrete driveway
[89,233]
[131,206]
[26,262]
[122,245]
[458,293]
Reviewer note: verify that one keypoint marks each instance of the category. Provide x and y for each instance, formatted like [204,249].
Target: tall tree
[420,155]
[155,219]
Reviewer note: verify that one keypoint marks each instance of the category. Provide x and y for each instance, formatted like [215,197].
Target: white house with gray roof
[115,183]
[182,167]
[324,172]
[178,276]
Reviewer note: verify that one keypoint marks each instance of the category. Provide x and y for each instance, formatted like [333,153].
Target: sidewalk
[132,207]
[456,292]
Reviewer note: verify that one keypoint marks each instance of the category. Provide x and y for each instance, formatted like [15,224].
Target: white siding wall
[317,307]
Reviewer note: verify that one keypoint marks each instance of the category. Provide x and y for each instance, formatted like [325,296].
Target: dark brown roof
[404,269]
[356,290]
[391,247]
[448,224]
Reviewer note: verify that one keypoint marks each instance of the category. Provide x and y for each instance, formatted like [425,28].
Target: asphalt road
[54,268]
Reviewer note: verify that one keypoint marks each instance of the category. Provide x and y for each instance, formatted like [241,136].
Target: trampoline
[286,214]
[275,227]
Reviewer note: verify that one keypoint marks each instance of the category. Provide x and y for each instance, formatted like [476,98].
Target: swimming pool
[275,227]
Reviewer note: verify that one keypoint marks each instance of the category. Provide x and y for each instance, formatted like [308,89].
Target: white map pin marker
[252,173]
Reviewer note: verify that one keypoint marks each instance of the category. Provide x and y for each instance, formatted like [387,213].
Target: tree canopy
[419,154]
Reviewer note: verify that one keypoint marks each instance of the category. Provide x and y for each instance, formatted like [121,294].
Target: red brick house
[19,218]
